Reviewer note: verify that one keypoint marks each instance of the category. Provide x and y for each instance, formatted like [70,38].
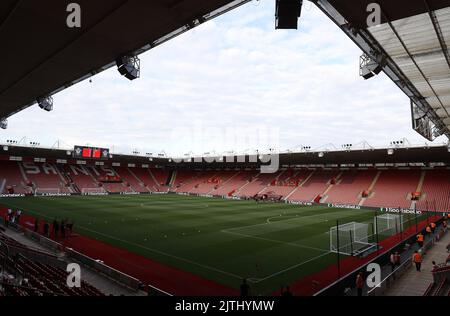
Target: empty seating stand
[394,188]
[350,186]
[314,186]
[435,193]
[38,279]
[10,171]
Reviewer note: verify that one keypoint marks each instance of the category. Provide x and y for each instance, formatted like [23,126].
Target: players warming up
[56,229]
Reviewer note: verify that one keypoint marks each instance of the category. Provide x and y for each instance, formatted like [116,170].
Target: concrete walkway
[414,283]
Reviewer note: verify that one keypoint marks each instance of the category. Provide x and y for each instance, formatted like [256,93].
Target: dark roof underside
[40,55]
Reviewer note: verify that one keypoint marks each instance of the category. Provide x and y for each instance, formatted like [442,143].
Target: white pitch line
[284,220]
[274,241]
[224,231]
[293,267]
[157,251]
[166,254]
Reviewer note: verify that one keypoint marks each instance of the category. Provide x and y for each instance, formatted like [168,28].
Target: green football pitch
[270,244]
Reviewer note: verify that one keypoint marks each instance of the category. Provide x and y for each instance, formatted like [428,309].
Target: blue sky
[233,83]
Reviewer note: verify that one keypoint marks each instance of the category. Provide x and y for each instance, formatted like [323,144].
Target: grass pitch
[221,240]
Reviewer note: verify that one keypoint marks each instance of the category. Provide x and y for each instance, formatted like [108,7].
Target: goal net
[43,191]
[389,224]
[350,239]
[88,191]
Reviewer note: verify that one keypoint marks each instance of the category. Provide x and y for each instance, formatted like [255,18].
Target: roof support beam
[415,62]
[367,43]
[56,53]
[437,29]
[10,14]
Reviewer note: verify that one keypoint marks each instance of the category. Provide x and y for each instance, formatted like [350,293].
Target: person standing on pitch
[245,288]
[36,225]
[46,229]
[18,215]
[55,228]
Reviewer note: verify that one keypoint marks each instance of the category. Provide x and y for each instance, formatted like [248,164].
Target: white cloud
[234,73]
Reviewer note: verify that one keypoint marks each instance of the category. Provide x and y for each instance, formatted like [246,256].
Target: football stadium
[94,220]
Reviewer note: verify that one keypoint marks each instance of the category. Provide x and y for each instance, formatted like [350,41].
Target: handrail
[391,275]
[159,291]
[429,289]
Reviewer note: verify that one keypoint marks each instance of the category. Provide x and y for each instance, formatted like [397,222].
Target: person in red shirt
[360,283]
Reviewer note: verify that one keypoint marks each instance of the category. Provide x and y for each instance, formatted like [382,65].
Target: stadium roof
[414,35]
[41,55]
[423,156]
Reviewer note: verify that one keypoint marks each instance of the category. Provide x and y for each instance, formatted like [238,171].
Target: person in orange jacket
[420,239]
[433,227]
[417,260]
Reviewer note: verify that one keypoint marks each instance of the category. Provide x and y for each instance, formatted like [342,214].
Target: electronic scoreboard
[83,152]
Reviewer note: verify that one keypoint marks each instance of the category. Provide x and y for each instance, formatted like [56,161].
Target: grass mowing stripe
[150,249]
[187,233]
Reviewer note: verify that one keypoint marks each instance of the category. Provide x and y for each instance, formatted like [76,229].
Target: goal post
[389,224]
[350,239]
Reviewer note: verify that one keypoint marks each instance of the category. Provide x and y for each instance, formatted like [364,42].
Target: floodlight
[369,67]
[46,103]
[3,123]
[129,67]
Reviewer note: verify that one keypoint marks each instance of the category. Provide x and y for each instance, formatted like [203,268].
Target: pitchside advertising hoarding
[95,153]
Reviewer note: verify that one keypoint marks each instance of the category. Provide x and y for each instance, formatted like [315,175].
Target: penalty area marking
[290,268]
[274,241]
[252,280]
[154,250]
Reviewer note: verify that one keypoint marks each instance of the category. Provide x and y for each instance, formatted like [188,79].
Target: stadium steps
[156,186]
[94,180]
[418,189]
[237,191]
[141,183]
[435,191]
[394,188]
[277,178]
[22,172]
[64,180]
[225,182]
[421,181]
[413,283]
[330,186]
[73,187]
[300,185]
[372,185]
[173,178]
